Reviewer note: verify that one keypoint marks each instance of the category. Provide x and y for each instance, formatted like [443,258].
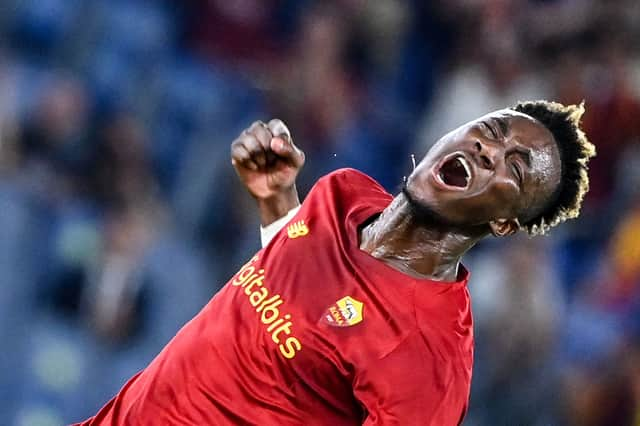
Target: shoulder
[348,174]
[350,181]
[347,196]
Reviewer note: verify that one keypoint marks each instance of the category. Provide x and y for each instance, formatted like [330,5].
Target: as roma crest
[344,313]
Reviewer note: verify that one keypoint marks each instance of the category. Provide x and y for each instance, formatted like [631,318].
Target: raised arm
[267,163]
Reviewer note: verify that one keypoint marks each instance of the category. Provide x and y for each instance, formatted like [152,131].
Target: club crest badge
[344,313]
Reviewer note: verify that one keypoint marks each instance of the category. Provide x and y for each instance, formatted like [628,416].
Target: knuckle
[277,126]
[236,147]
[257,124]
[275,122]
[250,141]
[264,136]
[239,156]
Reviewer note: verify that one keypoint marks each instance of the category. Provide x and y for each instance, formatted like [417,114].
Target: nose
[486,154]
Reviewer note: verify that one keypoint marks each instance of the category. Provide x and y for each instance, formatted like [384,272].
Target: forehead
[527,129]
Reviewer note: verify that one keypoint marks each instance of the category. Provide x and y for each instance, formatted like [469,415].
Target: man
[356,310]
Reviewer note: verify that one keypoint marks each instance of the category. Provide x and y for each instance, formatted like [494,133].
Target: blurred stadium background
[120,214]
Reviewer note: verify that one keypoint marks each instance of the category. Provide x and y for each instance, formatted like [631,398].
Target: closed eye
[520,159]
[517,172]
[491,130]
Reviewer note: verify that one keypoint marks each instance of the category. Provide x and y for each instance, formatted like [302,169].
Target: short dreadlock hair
[575,151]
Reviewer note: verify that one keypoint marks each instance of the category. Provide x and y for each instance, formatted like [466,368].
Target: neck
[419,249]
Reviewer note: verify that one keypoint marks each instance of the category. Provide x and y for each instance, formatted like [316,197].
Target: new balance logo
[297,229]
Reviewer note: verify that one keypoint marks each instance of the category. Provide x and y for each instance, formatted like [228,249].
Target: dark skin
[512,166]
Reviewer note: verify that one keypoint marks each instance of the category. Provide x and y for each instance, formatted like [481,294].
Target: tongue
[453,173]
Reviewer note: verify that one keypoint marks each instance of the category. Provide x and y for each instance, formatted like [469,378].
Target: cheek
[419,183]
[498,201]
[507,199]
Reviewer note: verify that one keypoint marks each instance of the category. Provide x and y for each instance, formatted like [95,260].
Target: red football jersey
[314,331]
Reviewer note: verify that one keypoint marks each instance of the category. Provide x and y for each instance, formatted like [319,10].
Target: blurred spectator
[602,80]
[245,33]
[52,144]
[122,166]
[518,309]
[490,71]
[119,214]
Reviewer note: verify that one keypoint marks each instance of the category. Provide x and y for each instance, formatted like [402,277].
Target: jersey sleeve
[346,194]
[352,181]
[410,387]
[353,194]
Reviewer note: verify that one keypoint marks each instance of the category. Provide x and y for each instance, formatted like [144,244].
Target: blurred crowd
[120,215]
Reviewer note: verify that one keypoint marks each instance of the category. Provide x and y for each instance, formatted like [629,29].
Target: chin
[423,212]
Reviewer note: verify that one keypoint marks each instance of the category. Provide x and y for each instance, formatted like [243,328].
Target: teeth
[467,169]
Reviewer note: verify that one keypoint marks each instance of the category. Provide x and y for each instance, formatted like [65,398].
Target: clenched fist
[267,162]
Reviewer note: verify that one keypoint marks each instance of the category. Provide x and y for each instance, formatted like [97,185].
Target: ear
[504,227]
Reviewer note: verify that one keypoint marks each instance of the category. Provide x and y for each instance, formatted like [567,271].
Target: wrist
[268,232]
[277,206]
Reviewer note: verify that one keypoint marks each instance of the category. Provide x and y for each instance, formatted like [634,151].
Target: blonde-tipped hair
[575,151]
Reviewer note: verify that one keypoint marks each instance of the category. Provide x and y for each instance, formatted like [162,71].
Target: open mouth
[455,172]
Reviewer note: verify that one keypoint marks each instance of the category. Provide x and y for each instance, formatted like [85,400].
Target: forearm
[275,212]
[267,162]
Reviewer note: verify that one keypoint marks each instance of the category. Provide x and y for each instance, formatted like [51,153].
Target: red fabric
[298,361]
